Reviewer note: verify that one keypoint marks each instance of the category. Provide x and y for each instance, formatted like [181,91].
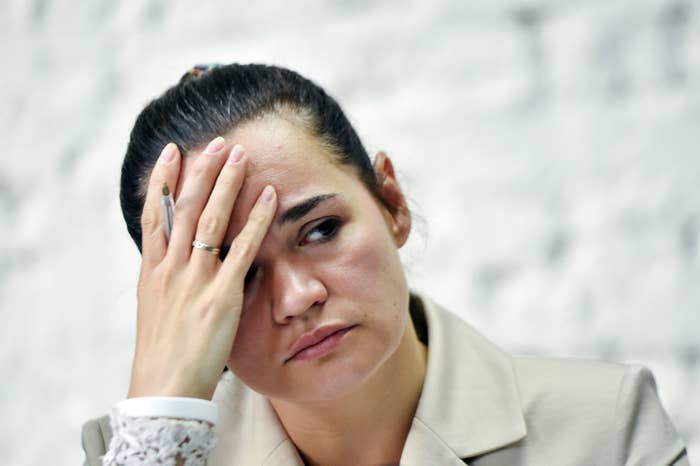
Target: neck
[370,425]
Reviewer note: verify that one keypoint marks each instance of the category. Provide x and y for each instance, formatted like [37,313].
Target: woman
[332,360]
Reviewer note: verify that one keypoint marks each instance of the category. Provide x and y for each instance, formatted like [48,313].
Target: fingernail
[268,193]
[236,154]
[168,153]
[215,145]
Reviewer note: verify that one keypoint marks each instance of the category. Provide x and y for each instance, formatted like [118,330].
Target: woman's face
[330,262]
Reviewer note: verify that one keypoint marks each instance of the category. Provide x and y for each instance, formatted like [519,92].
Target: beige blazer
[479,406]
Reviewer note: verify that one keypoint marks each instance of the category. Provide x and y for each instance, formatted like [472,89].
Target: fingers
[214,220]
[166,170]
[245,246]
[195,191]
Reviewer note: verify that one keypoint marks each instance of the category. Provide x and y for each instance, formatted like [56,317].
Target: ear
[397,215]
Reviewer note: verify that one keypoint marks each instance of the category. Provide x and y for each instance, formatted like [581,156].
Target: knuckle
[209,224]
[208,306]
[259,218]
[157,281]
[167,276]
[200,167]
[183,209]
[242,249]
[225,182]
[149,221]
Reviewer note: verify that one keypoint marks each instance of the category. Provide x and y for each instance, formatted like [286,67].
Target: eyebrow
[302,208]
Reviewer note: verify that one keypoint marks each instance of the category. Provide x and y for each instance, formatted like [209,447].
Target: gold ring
[202,245]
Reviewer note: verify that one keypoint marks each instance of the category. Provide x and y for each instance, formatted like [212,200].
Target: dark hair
[211,101]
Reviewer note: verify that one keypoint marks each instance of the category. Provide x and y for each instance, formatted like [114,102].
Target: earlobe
[397,214]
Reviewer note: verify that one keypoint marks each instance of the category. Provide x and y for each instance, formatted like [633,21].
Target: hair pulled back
[211,101]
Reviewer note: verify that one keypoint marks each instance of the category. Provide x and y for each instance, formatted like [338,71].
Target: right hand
[189,301]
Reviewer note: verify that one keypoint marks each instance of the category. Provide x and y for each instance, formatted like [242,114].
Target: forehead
[281,153]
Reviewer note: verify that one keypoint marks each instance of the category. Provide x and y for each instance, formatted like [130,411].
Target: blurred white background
[551,148]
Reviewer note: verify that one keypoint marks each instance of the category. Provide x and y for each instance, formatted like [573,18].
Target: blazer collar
[470,397]
[469,404]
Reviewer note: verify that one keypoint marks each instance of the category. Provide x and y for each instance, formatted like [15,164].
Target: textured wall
[550,147]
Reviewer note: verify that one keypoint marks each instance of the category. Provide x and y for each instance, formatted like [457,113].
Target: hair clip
[198,70]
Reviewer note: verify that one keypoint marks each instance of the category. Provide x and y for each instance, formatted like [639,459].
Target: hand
[189,301]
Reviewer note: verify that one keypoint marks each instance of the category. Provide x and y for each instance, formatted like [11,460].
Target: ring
[202,245]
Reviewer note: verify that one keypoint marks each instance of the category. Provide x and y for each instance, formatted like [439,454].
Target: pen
[166,202]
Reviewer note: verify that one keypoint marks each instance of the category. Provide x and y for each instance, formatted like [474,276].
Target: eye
[322,232]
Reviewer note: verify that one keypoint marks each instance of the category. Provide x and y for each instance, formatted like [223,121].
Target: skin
[338,264]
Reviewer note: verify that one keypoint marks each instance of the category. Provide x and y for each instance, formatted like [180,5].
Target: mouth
[318,343]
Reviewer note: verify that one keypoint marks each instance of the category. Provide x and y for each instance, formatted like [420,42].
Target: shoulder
[568,411]
[556,383]
[572,405]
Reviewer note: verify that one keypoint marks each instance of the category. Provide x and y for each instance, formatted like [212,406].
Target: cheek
[369,268]
[250,347]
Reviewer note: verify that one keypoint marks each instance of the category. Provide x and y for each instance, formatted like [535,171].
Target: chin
[337,376]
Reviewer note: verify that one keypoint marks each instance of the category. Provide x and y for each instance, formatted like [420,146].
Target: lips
[315,337]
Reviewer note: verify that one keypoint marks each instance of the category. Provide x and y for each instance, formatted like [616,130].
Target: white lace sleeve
[157,430]
[141,441]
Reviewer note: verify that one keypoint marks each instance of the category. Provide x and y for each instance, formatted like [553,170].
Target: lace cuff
[141,441]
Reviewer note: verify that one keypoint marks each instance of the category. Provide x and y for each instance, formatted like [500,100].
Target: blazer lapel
[249,431]
[423,446]
[470,403]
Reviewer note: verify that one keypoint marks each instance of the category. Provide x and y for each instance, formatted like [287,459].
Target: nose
[296,290]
